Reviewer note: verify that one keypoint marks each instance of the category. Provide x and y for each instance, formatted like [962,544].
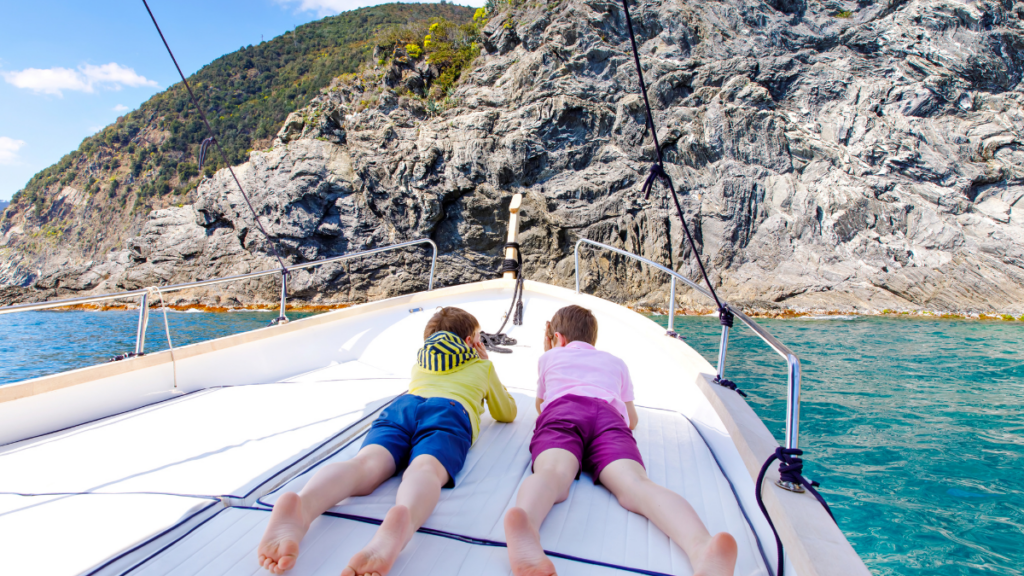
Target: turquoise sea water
[914,427]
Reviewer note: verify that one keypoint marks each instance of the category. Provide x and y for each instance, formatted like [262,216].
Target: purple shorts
[589,428]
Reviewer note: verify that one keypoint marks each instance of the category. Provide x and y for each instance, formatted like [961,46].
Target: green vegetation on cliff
[247,95]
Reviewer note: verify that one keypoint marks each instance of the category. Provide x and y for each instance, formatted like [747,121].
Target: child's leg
[293,513]
[417,496]
[553,473]
[440,444]
[670,512]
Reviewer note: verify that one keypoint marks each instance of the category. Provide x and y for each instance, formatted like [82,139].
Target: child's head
[574,323]
[454,320]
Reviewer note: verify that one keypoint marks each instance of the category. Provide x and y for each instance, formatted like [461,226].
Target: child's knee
[629,501]
[427,466]
[560,466]
[631,493]
[374,463]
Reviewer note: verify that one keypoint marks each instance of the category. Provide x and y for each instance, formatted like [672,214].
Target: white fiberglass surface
[284,395]
[69,534]
[213,442]
[226,546]
[590,523]
[640,342]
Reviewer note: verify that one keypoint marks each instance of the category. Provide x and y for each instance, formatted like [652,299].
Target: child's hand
[547,337]
[481,350]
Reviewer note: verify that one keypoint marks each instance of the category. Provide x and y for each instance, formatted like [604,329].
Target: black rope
[726,383]
[658,168]
[494,342]
[725,318]
[203,149]
[790,470]
[213,139]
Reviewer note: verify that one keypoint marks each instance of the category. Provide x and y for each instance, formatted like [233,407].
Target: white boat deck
[590,523]
[183,486]
[227,545]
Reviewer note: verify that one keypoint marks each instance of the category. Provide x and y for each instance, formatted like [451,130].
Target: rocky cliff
[99,195]
[834,155]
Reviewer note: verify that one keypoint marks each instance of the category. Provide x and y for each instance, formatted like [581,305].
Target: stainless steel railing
[143,294]
[792,361]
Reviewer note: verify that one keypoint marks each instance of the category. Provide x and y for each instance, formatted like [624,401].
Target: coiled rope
[495,342]
[791,468]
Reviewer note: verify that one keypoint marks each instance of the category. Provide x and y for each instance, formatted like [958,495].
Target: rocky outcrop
[851,156]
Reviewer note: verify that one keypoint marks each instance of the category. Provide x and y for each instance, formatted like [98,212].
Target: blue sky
[69,68]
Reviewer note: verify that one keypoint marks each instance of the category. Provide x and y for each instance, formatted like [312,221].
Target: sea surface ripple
[913,426]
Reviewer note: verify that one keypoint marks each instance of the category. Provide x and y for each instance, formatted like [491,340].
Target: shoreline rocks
[824,163]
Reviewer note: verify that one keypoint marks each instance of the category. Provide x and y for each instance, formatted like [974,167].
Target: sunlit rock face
[829,156]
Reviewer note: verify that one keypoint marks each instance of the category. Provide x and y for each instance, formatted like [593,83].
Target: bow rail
[792,361]
[143,293]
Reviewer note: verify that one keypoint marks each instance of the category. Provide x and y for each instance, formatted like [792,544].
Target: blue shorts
[413,425]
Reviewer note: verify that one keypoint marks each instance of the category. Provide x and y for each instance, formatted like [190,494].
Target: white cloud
[323,7]
[121,108]
[86,79]
[9,150]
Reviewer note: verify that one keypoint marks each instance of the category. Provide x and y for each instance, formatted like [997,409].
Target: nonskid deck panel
[218,442]
[590,524]
[226,546]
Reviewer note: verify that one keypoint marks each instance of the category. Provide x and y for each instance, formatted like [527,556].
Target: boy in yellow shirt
[427,432]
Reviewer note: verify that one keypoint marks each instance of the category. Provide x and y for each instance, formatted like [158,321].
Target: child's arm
[633,418]
[539,402]
[500,403]
[627,397]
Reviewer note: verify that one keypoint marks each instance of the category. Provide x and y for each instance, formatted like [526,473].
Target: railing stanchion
[722,347]
[282,317]
[576,254]
[433,262]
[793,404]
[793,363]
[140,334]
[792,418]
[672,306]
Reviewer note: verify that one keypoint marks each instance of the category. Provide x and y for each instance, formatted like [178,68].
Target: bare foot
[279,548]
[524,550]
[719,557]
[380,554]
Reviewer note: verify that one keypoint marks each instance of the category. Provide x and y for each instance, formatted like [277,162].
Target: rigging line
[167,330]
[658,169]
[216,143]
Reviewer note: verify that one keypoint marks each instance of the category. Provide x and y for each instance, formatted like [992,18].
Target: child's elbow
[506,416]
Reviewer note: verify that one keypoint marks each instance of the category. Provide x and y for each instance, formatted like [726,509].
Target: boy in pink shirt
[585,401]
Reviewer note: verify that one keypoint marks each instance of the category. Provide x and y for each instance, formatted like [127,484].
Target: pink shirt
[582,370]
